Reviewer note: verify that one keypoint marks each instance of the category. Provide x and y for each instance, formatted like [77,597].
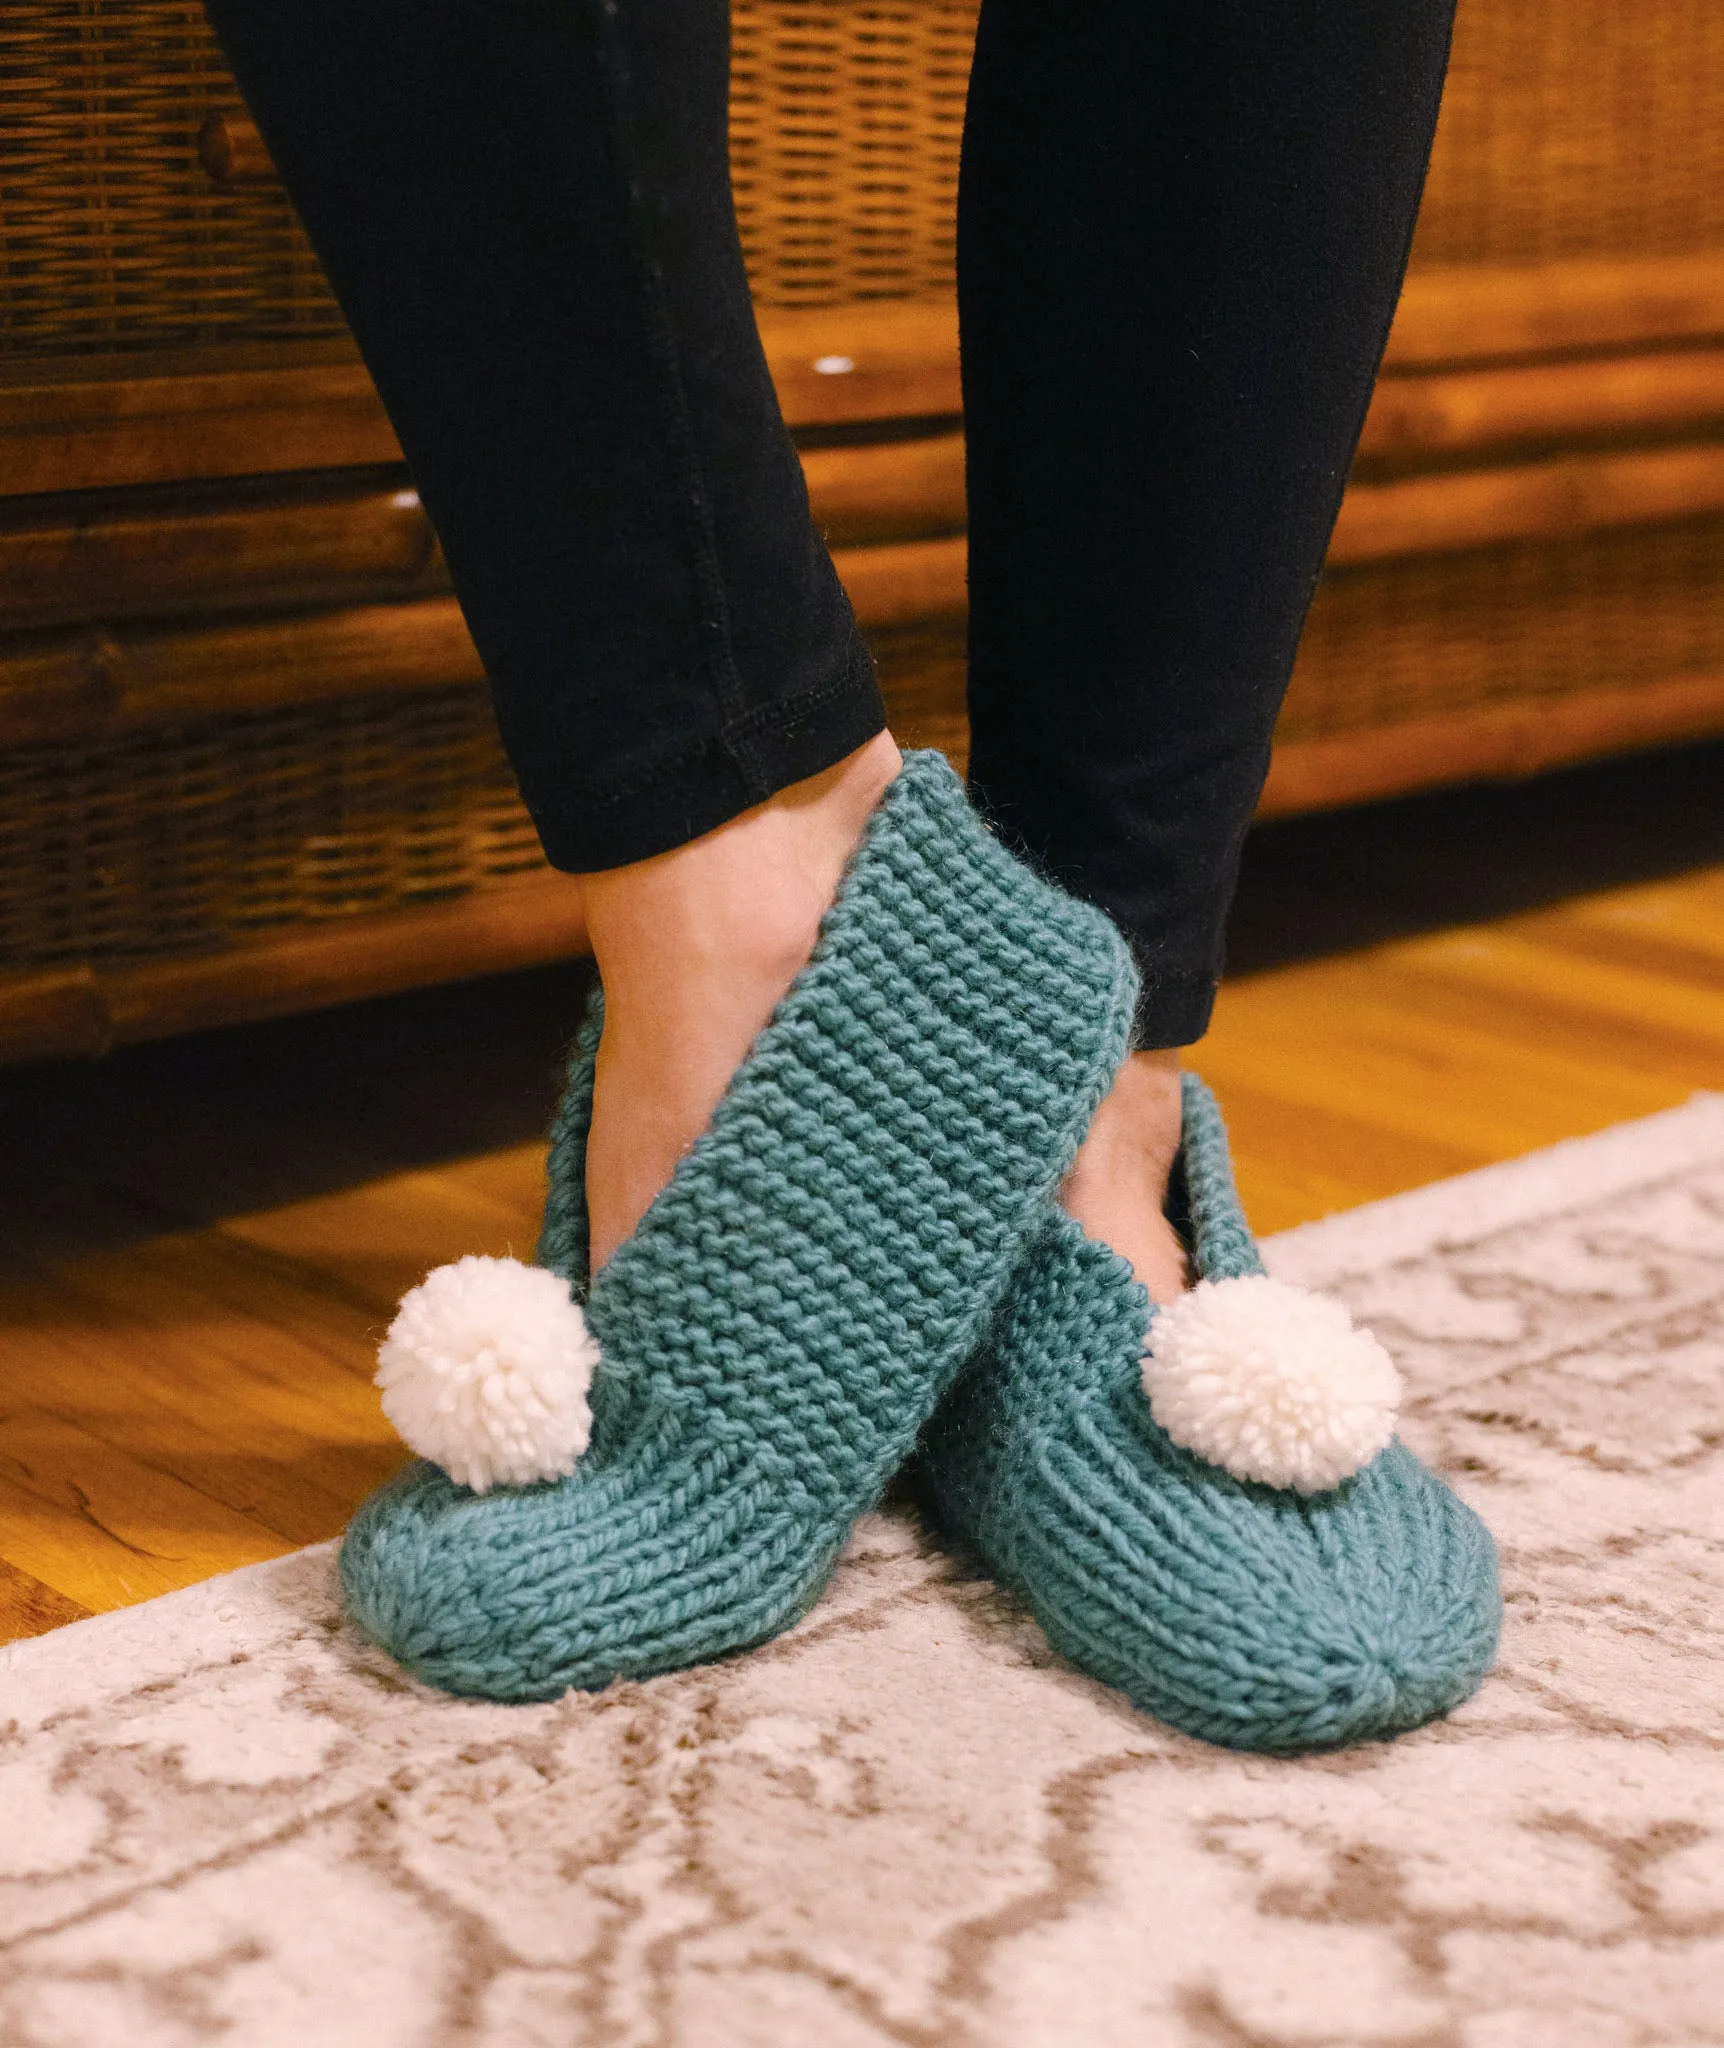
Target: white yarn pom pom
[1271,1383]
[485,1371]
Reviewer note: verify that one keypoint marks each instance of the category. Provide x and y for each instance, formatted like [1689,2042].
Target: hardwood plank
[1294,1164]
[1352,1078]
[28,1608]
[379,1240]
[1418,1070]
[1674,929]
[101,1526]
[513,1179]
[1622,1010]
[245,1383]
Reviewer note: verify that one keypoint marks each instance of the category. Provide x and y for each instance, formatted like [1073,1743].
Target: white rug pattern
[223,1819]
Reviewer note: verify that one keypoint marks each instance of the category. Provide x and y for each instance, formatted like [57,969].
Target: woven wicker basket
[1570,127]
[246,759]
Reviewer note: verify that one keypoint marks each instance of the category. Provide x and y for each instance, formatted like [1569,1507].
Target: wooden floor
[204,1239]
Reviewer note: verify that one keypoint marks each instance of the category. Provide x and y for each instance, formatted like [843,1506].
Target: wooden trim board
[77,681]
[1451,414]
[893,513]
[104,423]
[318,540]
[1554,500]
[1504,741]
[79,684]
[1470,313]
[87,1011]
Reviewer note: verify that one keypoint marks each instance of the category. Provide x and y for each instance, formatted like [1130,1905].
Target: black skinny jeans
[1182,227]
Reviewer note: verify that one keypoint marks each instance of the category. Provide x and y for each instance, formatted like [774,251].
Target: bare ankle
[744,900]
[1118,1184]
[695,948]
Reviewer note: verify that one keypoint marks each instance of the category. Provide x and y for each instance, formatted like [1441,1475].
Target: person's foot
[696,947]
[722,1399]
[1259,1562]
[1117,1188]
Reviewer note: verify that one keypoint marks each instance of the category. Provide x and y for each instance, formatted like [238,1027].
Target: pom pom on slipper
[1225,1528]
[485,1372]
[787,1313]
[1271,1383]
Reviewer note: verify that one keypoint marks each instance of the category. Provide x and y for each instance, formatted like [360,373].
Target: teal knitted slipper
[764,1349]
[1326,1589]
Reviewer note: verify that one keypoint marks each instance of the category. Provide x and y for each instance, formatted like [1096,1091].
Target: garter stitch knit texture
[793,1304]
[1253,1617]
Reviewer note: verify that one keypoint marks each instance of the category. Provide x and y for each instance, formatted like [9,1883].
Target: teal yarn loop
[1222,1247]
[1251,1617]
[794,1303]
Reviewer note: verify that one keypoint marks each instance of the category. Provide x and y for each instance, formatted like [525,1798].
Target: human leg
[523,207]
[525,210]
[1182,231]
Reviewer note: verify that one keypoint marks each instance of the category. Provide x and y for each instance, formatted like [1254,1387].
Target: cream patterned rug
[224,1820]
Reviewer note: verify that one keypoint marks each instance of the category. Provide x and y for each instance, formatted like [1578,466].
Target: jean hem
[742,763]
[1172,1009]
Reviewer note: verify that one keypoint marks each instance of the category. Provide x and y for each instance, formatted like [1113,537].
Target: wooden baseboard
[1488,742]
[87,1011]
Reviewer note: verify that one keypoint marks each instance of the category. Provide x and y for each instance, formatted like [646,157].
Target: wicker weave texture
[1570,127]
[1429,636]
[112,234]
[845,130]
[1444,633]
[189,838]
[1578,128]
[845,122]
[1556,139]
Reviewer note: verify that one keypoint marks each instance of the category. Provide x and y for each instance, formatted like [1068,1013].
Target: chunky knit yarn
[1253,1617]
[793,1304]
[1204,1196]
